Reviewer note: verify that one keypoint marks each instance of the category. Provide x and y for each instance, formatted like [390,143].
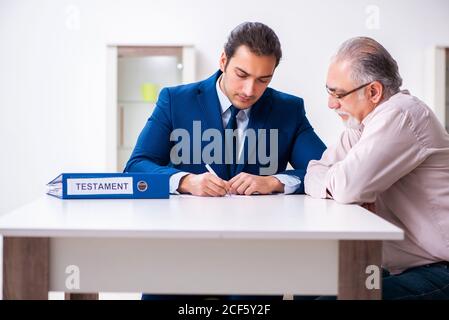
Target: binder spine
[138,186]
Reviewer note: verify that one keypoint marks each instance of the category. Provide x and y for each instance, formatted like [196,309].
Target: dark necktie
[231,146]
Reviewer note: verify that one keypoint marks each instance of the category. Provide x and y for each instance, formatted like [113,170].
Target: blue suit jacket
[178,107]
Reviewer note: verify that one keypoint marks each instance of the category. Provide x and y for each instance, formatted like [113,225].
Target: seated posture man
[261,121]
[394,156]
[269,129]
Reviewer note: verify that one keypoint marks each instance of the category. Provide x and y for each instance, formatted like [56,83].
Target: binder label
[119,185]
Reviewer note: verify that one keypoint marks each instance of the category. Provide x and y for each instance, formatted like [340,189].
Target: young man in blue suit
[235,97]
[202,113]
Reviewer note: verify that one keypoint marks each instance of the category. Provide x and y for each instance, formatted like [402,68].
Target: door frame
[112,118]
[436,81]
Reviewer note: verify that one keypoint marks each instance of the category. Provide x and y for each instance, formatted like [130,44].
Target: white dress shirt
[291,183]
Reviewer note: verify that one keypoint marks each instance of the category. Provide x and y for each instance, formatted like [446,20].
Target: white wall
[53,60]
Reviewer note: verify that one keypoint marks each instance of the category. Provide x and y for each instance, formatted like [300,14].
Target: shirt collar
[381,106]
[225,103]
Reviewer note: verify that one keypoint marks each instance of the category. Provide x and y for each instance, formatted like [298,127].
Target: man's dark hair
[258,37]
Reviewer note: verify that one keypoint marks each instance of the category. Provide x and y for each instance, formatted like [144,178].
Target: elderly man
[394,156]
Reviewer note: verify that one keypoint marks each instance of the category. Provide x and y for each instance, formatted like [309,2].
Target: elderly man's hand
[247,184]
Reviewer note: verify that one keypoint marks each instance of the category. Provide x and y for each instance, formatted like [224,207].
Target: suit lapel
[211,115]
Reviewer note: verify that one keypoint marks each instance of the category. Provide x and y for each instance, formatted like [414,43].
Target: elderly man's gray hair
[370,61]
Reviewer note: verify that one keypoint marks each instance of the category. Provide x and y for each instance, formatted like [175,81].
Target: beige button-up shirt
[399,159]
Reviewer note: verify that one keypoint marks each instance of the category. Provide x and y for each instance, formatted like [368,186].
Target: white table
[192,245]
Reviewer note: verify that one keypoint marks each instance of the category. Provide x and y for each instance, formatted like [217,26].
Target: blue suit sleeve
[307,146]
[152,151]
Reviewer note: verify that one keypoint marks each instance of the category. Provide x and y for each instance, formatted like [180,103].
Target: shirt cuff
[315,183]
[291,183]
[174,181]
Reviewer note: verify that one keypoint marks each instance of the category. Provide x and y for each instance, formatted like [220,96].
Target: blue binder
[109,186]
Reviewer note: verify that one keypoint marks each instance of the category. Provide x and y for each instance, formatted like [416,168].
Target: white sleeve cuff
[174,181]
[291,183]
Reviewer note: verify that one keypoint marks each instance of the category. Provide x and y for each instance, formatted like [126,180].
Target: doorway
[135,76]
[437,83]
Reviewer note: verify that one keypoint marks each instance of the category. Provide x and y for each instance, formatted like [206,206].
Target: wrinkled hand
[206,185]
[247,184]
[370,206]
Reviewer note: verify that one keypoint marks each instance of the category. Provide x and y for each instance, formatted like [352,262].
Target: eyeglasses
[332,92]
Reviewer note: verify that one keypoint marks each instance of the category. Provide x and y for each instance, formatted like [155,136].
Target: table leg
[360,272]
[25,268]
[81,296]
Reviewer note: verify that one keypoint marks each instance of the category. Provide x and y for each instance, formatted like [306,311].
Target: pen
[209,168]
